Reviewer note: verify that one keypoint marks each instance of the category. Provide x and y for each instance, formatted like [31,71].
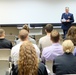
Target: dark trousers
[65,32]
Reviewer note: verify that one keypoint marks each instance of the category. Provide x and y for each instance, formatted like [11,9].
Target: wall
[34,11]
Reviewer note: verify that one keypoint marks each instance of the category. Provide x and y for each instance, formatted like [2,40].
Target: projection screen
[34,11]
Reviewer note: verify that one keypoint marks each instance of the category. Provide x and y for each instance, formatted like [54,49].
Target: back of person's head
[28,60]
[55,36]
[26,27]
[48,28]
[23,34]
[68,46]
[2,32]
[72,34]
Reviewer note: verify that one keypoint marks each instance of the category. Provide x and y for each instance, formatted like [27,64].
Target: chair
[4,61]
[49,65]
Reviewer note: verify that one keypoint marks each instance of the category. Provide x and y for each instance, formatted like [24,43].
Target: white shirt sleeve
[15,55]
[37,50]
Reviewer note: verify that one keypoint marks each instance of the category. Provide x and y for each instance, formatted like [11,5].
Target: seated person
[23,35]
[28,63]
[66,63]
[4,43]
[45,40]
[54,50]
[30,39]
[71,35]
[74,52]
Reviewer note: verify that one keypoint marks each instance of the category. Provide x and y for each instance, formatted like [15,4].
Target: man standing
[67,19]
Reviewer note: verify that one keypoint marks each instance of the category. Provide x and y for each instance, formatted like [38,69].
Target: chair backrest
[4,60]
[4,54]
[49,65]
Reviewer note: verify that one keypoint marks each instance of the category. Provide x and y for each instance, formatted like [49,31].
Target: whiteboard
[34,11]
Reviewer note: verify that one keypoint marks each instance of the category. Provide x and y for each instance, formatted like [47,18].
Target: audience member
[65,64]
[72,36]
[28,63]
[45,40]
[30,39]
[4,43]
[54,50]
[23,35]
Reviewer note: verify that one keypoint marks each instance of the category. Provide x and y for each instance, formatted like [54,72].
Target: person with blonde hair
[65,64]
[30,39]
[28,63]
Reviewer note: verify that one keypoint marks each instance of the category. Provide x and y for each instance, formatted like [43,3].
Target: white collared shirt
[15,52]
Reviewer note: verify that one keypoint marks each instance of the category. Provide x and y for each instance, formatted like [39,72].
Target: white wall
[34,11]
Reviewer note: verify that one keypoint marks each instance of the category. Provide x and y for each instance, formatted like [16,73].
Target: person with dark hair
[50,52]
[4,43]
[23,35]
[48,28]
[28,63]
[30,39]
[66,19]
[45,40]
[65,64]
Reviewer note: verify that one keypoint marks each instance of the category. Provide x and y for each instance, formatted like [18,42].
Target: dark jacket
[41,70]
[67,25]
[64,64]
[4,43]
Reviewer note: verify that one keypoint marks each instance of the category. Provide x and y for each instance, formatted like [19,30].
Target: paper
[63,20]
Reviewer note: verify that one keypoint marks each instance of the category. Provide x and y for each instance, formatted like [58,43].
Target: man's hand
[67,20]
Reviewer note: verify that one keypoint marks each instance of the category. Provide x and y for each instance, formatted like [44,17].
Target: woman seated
[66,63]
[28,63]
[71,35]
